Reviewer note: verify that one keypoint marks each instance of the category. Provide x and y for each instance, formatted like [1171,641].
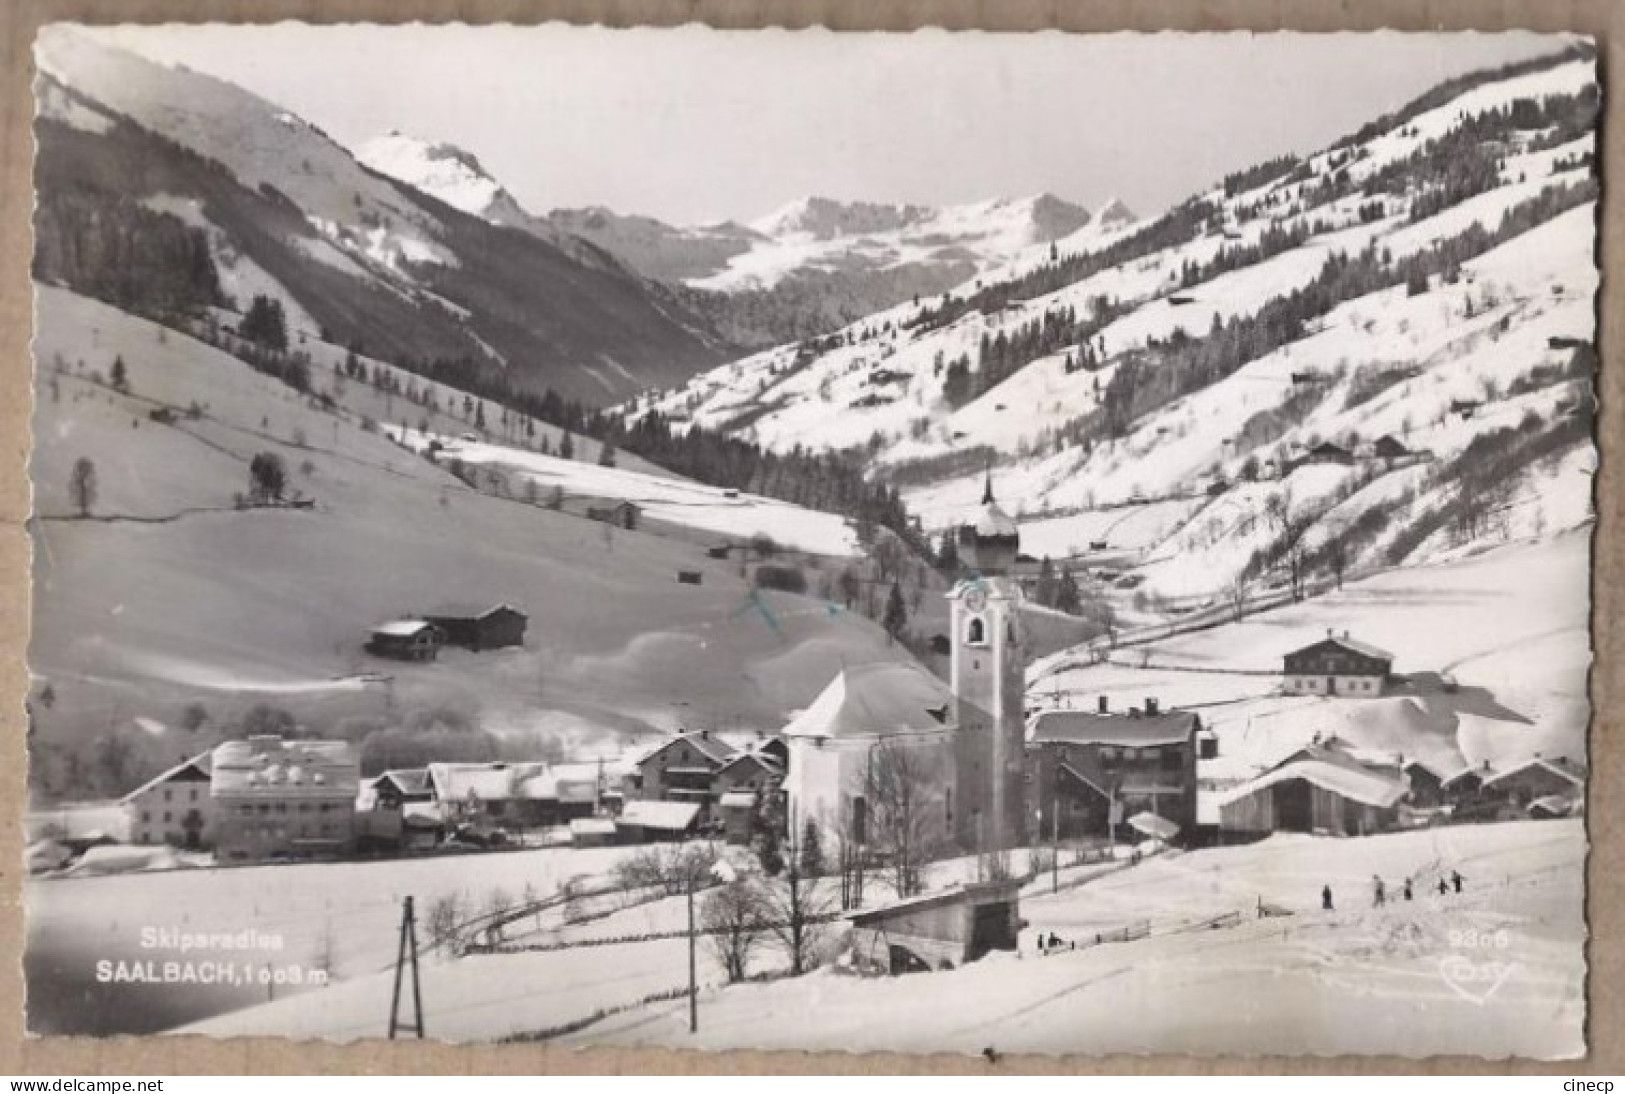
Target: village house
[1521,784]
[279,798]
[1092,771]
[657,821]
[479,629]
[742,785]
[1327,452]
[1324,787]
[394,789]
[592,832]
[174,807]
[1433,782]
[1337,665]
[513,795]
[864,713]
[681,769]
[1390,448]
[406,640]
[936,931]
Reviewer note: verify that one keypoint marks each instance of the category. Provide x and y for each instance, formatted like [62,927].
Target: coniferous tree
[896,617]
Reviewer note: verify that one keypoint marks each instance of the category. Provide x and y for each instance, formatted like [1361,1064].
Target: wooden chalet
[1337,665]
[478,629]
[406,640]
[1093,769]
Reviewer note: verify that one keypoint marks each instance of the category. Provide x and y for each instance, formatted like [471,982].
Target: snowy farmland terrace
[1497,970]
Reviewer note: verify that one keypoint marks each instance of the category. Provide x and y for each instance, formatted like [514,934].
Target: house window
[976,632]
[166,795]
[146,816]
[166,816]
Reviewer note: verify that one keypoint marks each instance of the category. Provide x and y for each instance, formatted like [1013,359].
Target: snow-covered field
[344,917]
[1495,340]
[173,595]
[727,513]
[1511,626]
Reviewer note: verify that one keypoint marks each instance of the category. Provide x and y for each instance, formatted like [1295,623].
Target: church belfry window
[976,631]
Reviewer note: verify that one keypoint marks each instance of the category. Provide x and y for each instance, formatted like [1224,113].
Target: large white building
[867,713]
[964,740]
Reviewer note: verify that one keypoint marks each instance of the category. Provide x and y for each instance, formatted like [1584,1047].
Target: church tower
[988,678]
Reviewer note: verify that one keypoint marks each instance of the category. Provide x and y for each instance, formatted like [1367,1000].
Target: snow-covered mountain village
[995,626]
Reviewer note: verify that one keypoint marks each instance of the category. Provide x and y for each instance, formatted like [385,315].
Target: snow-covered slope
[447,172]
[419,272]
[1430,284]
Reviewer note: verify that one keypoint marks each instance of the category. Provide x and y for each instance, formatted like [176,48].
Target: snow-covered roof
[979,892]
[1154,826]
[1353,645]
[765,760]
[408,780]
[275,767]
[664,816]
[198,765]
[592,826]
[1558,767]
[1443,768]
[706,744]
[470,610]
[454,782]
[1555,804]
[993,522]
[738,799]
[560,782]
[881,699]
[402,628]
[1365,787]
[1089,727]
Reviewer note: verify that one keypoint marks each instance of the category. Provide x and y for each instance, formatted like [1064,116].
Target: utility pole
[693,982]
[408,946]
[1055,834]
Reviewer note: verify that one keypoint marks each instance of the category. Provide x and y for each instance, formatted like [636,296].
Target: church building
[963,740]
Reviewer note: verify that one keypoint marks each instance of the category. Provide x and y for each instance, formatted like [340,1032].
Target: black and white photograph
[934,542]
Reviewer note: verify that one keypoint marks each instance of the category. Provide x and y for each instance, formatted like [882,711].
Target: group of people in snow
[1379,890]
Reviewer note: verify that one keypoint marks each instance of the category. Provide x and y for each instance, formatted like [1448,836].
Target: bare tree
[797,906]
[736,918]
[445,913]
[1238,597]
[906,820]
[1337,558]
[82,485]
[1297,569]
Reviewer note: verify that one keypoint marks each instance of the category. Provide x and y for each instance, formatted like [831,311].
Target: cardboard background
[1604,19]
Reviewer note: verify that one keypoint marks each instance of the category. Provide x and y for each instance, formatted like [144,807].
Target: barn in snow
[1317,789]
[476,628]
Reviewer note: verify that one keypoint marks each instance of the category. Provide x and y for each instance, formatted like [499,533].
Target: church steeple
[991,541]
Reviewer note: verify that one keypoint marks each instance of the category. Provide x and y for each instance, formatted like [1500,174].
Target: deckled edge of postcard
[1602,19]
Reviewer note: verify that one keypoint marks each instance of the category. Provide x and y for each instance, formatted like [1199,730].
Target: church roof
[883,699]
[994,523]
[991,521]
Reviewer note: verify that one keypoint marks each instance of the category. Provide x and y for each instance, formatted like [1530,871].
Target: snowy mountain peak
[441,170]
[1114,214]
[825,218]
